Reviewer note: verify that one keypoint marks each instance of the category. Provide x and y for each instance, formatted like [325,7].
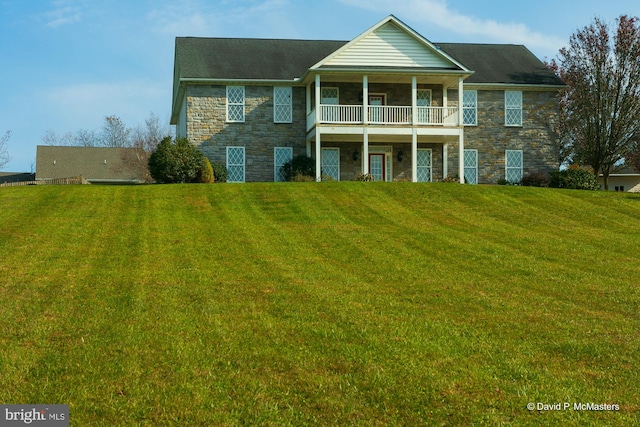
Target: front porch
[389,159]
[385,110]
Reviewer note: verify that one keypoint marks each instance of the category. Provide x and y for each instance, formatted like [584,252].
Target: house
[625,179]
[389,103]
[98,165]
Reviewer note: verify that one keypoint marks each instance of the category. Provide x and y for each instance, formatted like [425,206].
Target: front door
[376,103]
[377,167]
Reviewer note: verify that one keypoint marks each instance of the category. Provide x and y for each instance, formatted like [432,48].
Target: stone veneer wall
[208,129]
[491,137]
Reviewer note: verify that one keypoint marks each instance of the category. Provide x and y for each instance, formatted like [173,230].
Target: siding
[389,46]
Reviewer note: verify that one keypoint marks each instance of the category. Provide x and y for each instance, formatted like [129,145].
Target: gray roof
[97,164]
[269,59]
[501,63]
[283,59]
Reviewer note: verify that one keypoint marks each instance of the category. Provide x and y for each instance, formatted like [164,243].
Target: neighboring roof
[501,64]
[15,177]
[97,164]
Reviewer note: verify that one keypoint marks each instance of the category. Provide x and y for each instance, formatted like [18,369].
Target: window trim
[322,97]
[235,104]
[430,167]
[244,162]
[424,91]
[468,107]
[276,167]
[507,167]
[512,107]
[322,161]
[470,167]
[289,110]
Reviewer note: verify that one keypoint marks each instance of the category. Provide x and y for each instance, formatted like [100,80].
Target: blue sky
[66,64]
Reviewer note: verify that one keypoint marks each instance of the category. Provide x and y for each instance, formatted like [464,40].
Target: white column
[414,155]
[445,160]
[365,151]
[308,94]
[414,100]
[317,99]
[365,121]
[318,157]
[461,132]
[365,99]
[318,150]
[414,134]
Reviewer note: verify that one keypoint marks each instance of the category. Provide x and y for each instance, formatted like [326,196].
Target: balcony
[384,115]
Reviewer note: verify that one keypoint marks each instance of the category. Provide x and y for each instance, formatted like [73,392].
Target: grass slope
[321,304]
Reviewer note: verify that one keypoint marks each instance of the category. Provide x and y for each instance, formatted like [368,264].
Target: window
[329,96]
[424,165]
[281,155]
[331,162]
[471,166]
[512,108]
[235,103]
[423,100]
[470,107]
[235,164]
[513,166]
[423,97]
[282,104]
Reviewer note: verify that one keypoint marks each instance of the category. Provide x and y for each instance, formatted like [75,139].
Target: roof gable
[390,43]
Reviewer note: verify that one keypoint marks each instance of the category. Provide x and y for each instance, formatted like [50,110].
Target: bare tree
[600,109]
[52,138]
[115,133]
[4,153]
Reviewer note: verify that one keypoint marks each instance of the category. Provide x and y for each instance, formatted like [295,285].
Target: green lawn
[320,304]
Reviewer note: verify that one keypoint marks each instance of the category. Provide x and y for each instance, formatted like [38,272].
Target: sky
[66,64]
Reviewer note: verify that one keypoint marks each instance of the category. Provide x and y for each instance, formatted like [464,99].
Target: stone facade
[207,128]
[491,137]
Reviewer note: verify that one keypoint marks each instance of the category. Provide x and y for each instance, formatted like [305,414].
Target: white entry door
[377,167]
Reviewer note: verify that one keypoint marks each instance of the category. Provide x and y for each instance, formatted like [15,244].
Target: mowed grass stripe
[332,303]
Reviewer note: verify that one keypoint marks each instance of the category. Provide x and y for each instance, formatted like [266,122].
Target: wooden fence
[57,181]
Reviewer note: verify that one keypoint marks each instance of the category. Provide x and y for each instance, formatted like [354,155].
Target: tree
[4,153]
[600,108]
[176,161]
[115,133]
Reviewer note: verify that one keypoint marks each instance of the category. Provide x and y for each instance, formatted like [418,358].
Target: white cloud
[439,14]
[64,12]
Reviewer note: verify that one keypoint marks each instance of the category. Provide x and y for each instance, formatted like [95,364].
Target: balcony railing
[385,115]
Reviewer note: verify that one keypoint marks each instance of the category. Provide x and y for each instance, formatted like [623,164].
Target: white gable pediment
[389,45]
